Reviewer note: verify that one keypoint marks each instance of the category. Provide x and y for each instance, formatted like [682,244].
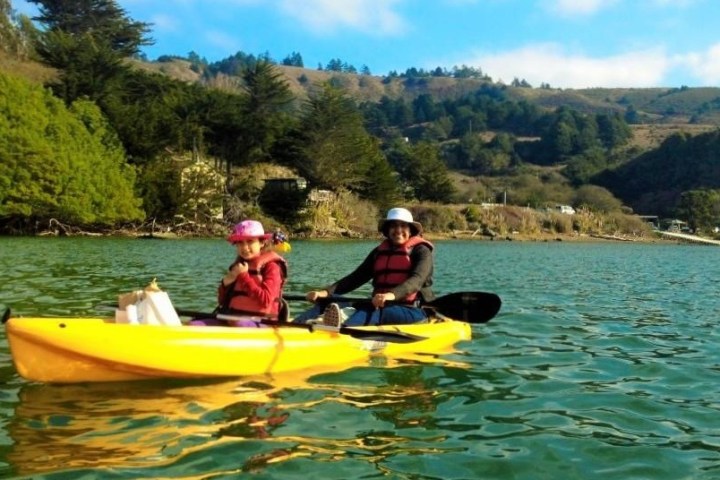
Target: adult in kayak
[252,286]
[400,269]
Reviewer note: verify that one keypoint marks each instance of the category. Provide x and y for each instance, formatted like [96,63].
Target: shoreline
[554,237]
[545,237]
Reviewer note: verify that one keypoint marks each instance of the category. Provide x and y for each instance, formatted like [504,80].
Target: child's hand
[239,268]
[234,271]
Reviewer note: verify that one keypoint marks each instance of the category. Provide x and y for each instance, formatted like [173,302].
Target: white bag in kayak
[151,306]
[157,309]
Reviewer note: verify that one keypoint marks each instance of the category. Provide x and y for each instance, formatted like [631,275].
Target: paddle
[470,307]
[377,335]
[6,316]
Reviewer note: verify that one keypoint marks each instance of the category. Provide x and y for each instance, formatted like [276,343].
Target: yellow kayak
[70,350]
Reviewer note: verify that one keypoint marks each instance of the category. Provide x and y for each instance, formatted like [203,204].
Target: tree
[12,38]
[88,41]
[701,208]
[580,168]
[293,60]
[334,65]
[421,168]
[150,113]
[613,130]
[334,151]
[596,198]
[267,101]
[60,163]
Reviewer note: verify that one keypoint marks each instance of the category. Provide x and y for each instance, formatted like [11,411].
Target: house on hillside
[675,225]
[283,197]
[285,185]
[652,220]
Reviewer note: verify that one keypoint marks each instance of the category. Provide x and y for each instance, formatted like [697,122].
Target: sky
[563,43]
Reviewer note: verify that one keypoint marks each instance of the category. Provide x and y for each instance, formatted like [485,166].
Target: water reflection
[136,424]
[145,425]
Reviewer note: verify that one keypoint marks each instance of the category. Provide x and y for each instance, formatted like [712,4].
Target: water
[602,364]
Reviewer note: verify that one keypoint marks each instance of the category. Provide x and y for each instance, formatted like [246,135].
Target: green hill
[661,112]
[655,105]
[655,181]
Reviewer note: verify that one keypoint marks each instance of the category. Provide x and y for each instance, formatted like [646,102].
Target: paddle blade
[471,307]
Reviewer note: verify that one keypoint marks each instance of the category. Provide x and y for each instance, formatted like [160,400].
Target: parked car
[565,209]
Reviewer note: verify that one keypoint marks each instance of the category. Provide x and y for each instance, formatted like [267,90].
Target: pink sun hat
[247,230]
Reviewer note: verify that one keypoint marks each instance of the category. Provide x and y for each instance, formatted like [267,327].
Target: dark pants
[392,315]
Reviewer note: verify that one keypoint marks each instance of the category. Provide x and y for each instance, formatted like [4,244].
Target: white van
[565,209]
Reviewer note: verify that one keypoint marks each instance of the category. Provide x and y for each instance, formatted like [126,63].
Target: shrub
[439,219]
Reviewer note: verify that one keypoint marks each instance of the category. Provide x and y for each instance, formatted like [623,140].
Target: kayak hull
[71,350]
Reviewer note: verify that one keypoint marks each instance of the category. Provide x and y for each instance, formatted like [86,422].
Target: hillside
[665,111]
[675,106]
[31,71]
[692,110]
[648,181]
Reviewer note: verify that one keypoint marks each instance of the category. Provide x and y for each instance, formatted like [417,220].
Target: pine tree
[88,41]
[335,151]
[267,103]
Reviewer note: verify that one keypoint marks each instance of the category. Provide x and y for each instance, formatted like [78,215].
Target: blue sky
[565,43]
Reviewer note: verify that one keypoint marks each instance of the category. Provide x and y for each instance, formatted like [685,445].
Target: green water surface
[602,364]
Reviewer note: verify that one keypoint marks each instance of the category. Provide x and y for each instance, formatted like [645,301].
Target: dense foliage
[400,148]
[656,181]
[60,163]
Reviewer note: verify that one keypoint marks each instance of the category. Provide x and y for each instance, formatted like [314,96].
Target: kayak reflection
[135,424]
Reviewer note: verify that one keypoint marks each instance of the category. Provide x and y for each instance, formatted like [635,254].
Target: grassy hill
[686,109]
[666,111]
[676,106]
[29,70]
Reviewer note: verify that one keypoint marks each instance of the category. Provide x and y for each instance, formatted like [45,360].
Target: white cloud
[586,8]
[675,3]
[326,16]
[223,41]
[548,63]
[164,22]
[705,66]
[572,8]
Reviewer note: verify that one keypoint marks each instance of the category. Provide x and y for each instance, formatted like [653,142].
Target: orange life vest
[238,300]
[393,265]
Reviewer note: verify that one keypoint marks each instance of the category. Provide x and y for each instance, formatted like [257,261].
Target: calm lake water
[603,363]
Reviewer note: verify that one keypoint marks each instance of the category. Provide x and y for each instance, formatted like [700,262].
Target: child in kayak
[252,287]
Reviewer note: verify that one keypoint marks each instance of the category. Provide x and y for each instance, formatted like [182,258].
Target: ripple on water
[603,363]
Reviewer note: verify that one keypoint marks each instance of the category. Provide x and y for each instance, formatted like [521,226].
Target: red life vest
[239,301]
[393,265]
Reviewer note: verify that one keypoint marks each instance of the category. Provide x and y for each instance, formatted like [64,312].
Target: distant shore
[168,233]
[553,237]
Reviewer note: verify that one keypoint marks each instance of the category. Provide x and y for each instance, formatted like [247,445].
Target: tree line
[394,150]
[681,179]
[148,115]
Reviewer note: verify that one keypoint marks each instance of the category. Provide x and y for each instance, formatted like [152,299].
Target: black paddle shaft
[470,307]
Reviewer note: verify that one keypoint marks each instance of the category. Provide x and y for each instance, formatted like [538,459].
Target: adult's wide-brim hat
[400,215]
[248,230]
